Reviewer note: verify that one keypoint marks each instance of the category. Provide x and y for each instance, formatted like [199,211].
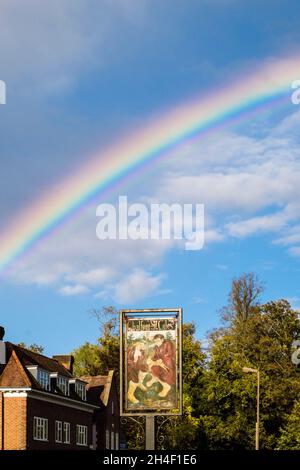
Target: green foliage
[87,360]
[219,400]
[182,432]
[290,435]
[262,339]
[33,347]
[98,359]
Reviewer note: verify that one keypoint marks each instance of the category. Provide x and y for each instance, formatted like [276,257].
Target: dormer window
[43,377]
[59,383]
[80,389]
[63,384]
[77,387]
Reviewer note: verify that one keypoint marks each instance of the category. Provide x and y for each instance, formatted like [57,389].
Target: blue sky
[80,75]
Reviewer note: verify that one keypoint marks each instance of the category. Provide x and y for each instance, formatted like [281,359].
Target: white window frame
[81,435]
[112,440]
[43,378]
[63,384]
[80,390]
[58,431]
[40,429]
[66,433]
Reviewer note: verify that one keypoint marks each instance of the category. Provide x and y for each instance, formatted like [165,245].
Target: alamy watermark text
[154,222]
[2,92]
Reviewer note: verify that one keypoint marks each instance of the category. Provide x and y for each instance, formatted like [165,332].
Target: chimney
[2,347]
[65,360]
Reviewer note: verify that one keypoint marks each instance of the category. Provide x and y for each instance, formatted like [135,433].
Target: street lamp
[248,370]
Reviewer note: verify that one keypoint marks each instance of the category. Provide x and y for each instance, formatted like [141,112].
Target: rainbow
[267,84]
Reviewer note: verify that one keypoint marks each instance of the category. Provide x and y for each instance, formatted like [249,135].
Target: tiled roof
[15,375]
[28,358]
[99,386]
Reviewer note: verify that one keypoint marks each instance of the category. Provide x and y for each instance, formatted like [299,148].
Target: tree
[181,433]
[98,359]
[87,360]
[33,347]
[262,339]
[219,400]
[290,434]
[243,297]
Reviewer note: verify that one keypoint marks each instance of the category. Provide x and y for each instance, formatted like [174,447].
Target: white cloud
[73,290]
[93,277]
[294,250]
[290,237]
[103,295]
[136,285]
[212,235]
[76,259]
[46,46]
[238,177]
[248,185]
[254,225]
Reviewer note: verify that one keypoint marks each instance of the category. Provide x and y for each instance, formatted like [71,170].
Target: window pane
[112,438]
[66,438]
[81,434]
[40,429]
[58,431]
[44,379]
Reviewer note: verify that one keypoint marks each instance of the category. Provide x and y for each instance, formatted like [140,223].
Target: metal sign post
[150,433]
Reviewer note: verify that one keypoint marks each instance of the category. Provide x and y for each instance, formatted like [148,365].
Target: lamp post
[255,371]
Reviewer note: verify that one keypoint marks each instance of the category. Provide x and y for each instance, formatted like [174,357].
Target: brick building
[108,428]
[43,406]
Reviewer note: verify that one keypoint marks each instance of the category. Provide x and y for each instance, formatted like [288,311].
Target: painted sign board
[151,369]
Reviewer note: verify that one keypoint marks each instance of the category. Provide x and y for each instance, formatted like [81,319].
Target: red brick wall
[18,423]
[13,413]
[1,420]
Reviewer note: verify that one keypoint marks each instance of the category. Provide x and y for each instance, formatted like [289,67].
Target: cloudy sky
[82,74]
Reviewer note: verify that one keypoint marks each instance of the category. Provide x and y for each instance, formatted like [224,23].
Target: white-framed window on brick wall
[40,429]
[81,435]
[67,433]
[58,431]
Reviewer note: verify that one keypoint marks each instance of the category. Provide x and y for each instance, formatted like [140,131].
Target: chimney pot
[2,333]
[2,347]
[66,360]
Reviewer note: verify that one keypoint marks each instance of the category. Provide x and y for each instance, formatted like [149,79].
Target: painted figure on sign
[162,365]
[137,369]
